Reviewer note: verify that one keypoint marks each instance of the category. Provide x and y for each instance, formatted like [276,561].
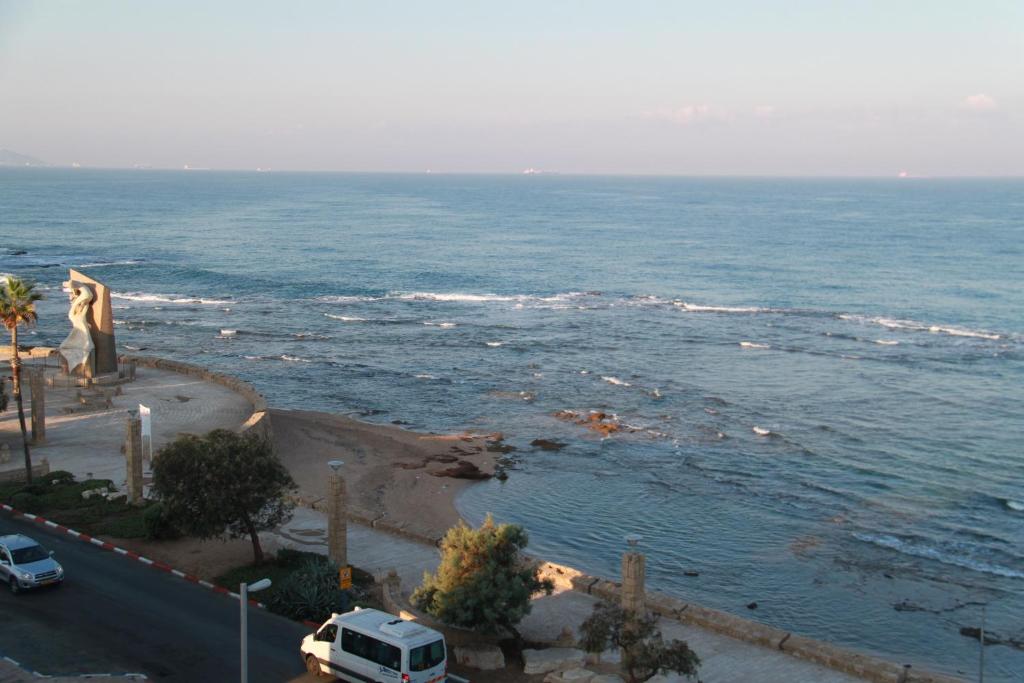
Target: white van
[370,646]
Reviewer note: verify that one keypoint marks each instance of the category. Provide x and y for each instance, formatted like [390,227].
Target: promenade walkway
[86,439]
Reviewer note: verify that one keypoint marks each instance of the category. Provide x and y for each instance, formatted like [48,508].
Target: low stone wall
[40,469]
[747,630]
[258,422]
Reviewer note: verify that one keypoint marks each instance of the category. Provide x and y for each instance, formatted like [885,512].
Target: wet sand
[393,476]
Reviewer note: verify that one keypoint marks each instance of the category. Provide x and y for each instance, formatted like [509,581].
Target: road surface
[116,615]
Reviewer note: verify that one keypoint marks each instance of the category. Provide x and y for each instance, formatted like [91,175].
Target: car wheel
[15,588]
[313,666]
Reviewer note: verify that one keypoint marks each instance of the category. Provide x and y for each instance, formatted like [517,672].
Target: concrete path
[86,440]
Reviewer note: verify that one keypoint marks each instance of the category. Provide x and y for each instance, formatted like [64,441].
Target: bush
[129,525]
[157,525]
[483,582]
[310,592]
[56,478]
[26,502]
[644,651]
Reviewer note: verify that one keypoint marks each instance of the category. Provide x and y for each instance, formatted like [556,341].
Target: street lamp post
[243,605]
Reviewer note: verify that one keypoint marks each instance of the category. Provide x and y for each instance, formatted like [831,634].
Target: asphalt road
[116,615]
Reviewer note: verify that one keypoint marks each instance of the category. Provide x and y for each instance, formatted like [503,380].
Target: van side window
[371,649]
[328,633]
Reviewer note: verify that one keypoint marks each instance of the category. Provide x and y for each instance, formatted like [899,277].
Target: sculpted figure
[78,349]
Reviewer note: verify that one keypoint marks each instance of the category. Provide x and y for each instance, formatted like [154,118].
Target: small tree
[18,308]
[223,484]
[483,582]
[644,651]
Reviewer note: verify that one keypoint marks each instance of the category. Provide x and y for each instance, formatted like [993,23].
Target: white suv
[25,564]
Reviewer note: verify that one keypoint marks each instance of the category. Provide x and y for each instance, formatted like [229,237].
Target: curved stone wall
[258,422]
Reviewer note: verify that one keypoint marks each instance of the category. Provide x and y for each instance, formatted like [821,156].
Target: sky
[724,87]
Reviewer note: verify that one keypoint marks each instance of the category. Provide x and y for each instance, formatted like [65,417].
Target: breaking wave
[752,345]
[616,381]
[914,326]
[167,299]
[922,550]
[346,318]
[697,308]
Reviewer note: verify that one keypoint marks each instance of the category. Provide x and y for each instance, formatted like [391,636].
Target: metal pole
[981,652]
[243,603]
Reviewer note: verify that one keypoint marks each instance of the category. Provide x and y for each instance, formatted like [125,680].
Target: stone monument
[37,383]
[133,457]
[337,516]
[633,575]
[89,350]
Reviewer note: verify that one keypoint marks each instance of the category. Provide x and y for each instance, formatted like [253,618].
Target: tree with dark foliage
[223,484]
[644,651]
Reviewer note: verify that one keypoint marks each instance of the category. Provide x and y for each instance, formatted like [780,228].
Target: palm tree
[18,307]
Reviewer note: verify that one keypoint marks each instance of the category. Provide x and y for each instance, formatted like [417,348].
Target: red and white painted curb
[191,578]
[36,674]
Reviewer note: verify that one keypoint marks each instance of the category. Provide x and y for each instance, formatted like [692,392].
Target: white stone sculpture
[78,349]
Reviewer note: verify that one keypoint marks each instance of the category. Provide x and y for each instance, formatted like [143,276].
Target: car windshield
[426,656]
[32,553]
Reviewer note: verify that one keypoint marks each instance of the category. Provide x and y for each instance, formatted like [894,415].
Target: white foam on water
[294,359]
[453,297]
[346,318]
[915,326]
[930,553]
[102,264]
[228,333]
[425,376]
[761,431]
[332,299]
[433,324]
[167,298]
[1014,505]
[132,348]
[886,342]
[615,380]
[697,308]
[752,345]
[495,344]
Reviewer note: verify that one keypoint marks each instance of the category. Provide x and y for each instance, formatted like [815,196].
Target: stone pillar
[337,516]
[37,383]
[133,457]
[633,574]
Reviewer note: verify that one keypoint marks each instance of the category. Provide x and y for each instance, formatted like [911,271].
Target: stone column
[337,516]
[633,574]
[133,457]
[37,383]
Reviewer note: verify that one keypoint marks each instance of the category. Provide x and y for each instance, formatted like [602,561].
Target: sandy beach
[404,479]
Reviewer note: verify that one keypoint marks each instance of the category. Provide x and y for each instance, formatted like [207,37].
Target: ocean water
[820,383]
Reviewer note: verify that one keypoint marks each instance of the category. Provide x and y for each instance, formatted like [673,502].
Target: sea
[818,384]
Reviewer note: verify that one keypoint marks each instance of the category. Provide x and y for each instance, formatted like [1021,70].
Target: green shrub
[130,525]
[310,592]
[56,478]
[26,502]
[157,525]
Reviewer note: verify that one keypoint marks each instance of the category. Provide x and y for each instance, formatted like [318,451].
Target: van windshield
[426,656]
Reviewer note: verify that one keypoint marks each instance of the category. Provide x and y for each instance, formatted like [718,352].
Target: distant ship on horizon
[537,171]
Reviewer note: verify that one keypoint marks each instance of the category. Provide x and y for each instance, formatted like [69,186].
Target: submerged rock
[547,444]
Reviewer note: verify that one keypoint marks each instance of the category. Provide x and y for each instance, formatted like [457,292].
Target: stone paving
[86,439]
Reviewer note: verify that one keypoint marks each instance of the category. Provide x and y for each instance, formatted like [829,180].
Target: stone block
[607,590]
[665,605]
[480,656]
[606,678]
[667,678]
[583,583]
[578,675]
[552,659]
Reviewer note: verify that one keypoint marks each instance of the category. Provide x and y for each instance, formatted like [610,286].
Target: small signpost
[345,578]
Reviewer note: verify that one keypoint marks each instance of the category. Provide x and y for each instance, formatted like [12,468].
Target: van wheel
[313,666]
[14,586]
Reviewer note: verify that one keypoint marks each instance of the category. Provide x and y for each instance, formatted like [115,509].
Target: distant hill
[9,158]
